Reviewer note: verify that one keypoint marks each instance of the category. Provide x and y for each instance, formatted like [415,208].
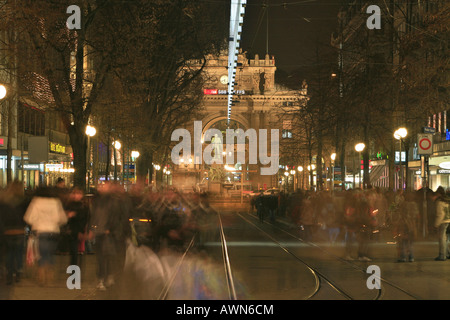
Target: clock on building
[224,79]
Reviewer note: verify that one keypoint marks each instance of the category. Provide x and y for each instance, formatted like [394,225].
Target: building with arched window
[259,106]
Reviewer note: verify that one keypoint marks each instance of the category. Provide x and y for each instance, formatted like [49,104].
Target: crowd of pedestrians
[36,226]
[358,217]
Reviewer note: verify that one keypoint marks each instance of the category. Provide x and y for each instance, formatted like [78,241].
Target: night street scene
[223,158]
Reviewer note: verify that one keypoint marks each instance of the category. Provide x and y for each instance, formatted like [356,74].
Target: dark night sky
[292,39]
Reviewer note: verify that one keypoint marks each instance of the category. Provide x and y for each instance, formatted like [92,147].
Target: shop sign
[443,171]
[53,166]
[31,166]
[57,148]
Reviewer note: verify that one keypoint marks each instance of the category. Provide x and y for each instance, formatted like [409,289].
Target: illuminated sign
[57,148]
[1,142]
[53,166]
[224,92]
[31,166]
[210,91]
[444,165]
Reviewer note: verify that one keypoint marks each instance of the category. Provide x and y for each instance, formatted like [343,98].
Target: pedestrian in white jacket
[46,215]
[442,222]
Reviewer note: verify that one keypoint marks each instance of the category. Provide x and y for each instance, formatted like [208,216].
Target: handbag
[32,250]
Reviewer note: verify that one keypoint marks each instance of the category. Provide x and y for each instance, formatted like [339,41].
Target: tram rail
[383,281]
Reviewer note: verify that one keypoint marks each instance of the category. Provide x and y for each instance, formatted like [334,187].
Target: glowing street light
[360,147]
[135,154]
[3,91]
[117,145]
[400,133]
[90,131]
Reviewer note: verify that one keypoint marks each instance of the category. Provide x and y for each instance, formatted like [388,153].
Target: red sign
[1,142]
[210,91]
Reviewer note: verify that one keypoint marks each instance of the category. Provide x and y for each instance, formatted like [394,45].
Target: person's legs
[442,238]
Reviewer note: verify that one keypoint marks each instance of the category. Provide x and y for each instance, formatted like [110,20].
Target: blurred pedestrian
[330,218]
[12,210]
[406,224]
[260,207]
[77,214]
[46,215]
[441,222]
[307,219]
[364,225]
[350,222]
[272,205]
[110,226]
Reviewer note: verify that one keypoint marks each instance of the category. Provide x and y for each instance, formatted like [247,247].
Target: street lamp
[117,145]
[333,158]
[400,134]
[359,148]
[90,132]
[300,169]
[3,92]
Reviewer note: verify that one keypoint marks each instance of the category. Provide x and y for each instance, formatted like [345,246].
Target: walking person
[405,224]
[272,205]
[110,226]
[12,210]
[46,215]
[350,222]
[307,218]
[364,226]
[330,218]
[441,222]
[260,207]
[77,214]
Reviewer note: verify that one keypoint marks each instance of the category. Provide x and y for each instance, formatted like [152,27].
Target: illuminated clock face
[224,79]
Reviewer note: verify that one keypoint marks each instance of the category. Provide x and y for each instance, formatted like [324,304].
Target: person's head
[76,194]
[60,183]
[439,193]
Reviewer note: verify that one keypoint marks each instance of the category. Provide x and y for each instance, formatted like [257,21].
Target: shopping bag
[32,250]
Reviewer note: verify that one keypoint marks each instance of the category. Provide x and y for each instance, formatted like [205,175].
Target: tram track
[319,277]
[384,282]
[322,284]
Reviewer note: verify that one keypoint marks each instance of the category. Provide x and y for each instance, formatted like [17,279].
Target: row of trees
[128,70]
[395,76]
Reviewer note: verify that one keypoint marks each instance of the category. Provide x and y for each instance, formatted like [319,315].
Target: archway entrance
[228,179]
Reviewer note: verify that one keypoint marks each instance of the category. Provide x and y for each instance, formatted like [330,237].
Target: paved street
[264,272]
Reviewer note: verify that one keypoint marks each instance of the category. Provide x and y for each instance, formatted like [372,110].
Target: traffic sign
[425,143]
[429,130]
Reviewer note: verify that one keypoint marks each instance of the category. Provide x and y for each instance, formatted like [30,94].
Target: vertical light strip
[237,13]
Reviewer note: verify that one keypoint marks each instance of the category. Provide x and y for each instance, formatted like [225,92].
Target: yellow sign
[56,147]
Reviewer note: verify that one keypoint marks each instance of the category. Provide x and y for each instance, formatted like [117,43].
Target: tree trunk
[78,141]
[144,168]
